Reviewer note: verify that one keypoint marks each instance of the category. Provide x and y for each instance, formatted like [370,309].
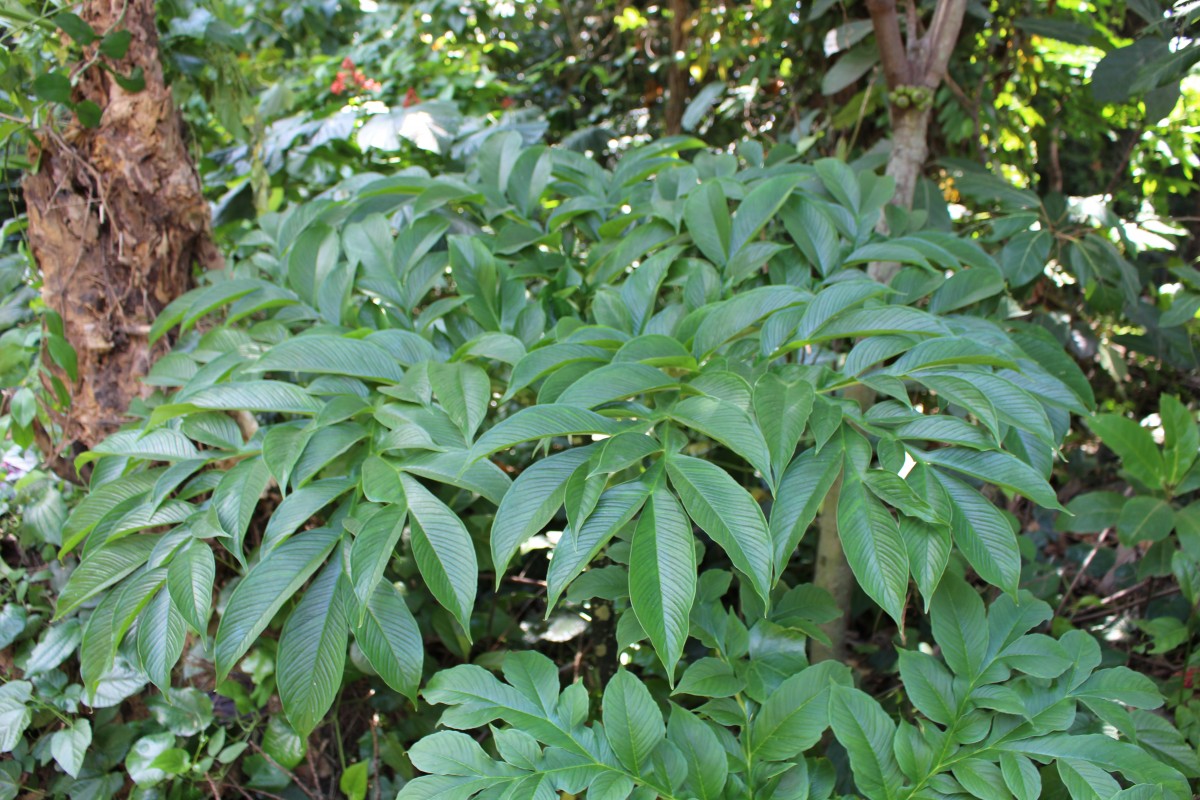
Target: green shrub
[407,387]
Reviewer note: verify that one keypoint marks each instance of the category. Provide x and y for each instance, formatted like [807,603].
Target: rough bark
[677,77]
[117,221]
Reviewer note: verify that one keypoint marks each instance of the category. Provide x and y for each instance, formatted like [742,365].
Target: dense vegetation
[570,399]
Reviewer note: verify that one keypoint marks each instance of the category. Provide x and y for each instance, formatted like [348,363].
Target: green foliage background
[486,467]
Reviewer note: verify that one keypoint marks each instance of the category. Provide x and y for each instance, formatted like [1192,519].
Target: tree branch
[886,22]
[940,41]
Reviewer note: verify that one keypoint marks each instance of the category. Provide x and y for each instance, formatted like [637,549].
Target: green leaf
[373,547]
[897,493]
[782,410]
[83,34]
[1122,685]
[729,425]
[312,650]
[53,87]
[160,639]
[1181,438]
[1086,781]
[69,746]
[1038,655]
[710,677]
[534,499]
[540,422]
[1021,776]
[614,382]
[481,477]
[706,215]
[299,507]
[1135,446]
[1145,519]
[56,645]
[928,549]
[1091,512]
[800,495]
[353,782]
[796,714]
[101,569]
[731,318]
[1024,257]
[443,551]
[190,581]
[576,549]
[851,66]
[100,501]
[236,498]
[632,721]
[662,576]
[330,355]
[391,641]
[88,113]
[707,764]
[877,321]
[983,534]
[964,288]
[727,513]
[15,716]
[999,468]
[866,732]
[871,540]
[544,360]
[264,590]
[115,44]
[960,627]
[262,395]
[757,209]
[464,390]
[928,685]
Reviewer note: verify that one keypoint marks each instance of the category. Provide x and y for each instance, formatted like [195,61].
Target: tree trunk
[677,76]
[117,221]
[910,147]
[832,573]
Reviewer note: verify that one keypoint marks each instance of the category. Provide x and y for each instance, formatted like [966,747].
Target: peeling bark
[117,221]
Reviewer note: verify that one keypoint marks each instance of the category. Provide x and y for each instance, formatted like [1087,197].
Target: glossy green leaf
[391,641]
[102,569]
[190,583]
[874,549]
[312,650]
[866,732]
[535,497]
[727,513]
[662,576]
[443,551]
[632,721]
[264,590]
[540,422]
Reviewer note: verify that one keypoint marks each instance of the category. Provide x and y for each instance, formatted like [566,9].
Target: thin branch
[942,36]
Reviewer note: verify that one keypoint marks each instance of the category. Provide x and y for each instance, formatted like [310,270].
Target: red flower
[410,98]
[338,86]
[347,63]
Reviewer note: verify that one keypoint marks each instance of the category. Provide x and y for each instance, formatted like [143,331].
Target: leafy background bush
[485,468]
